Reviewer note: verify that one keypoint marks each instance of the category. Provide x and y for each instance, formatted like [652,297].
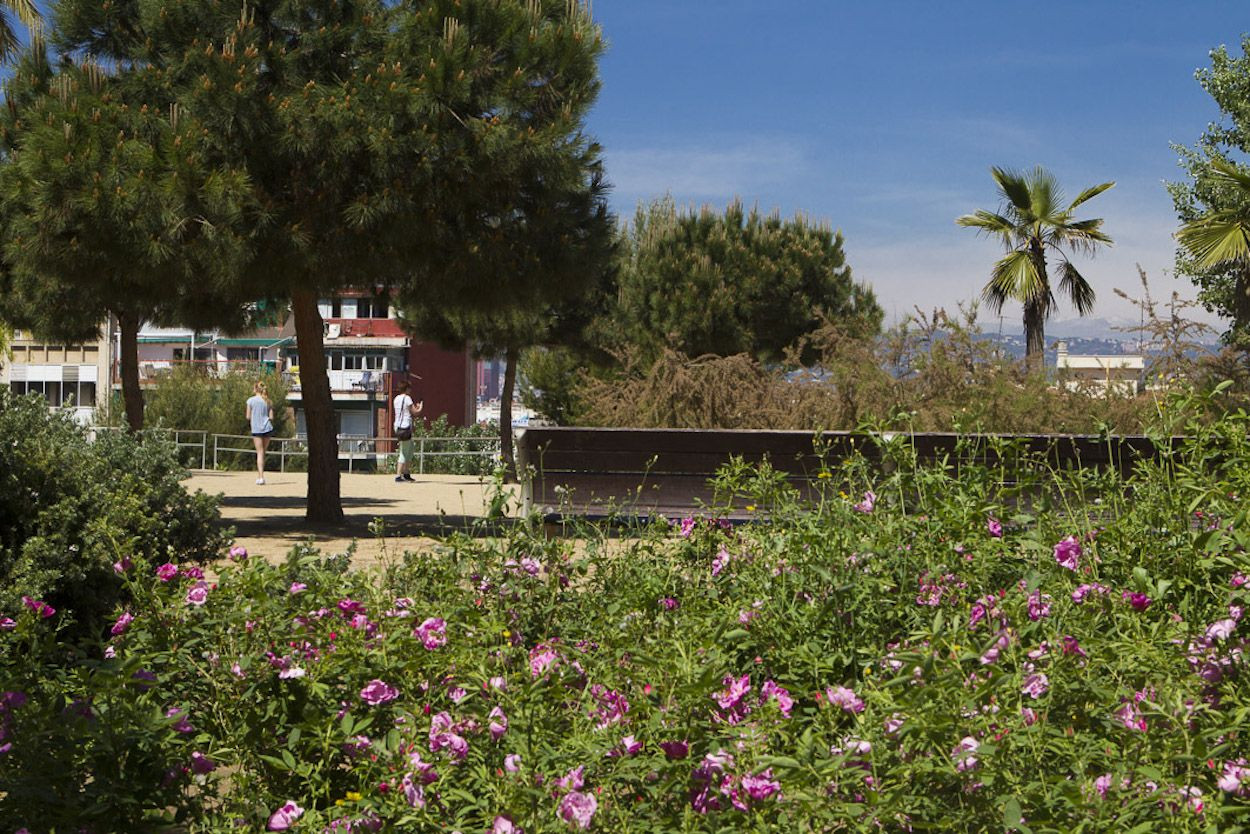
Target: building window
[336,308]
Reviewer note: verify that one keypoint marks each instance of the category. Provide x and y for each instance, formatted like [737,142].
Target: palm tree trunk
[505,412]
[324,503]
[128,360]
[1034,335]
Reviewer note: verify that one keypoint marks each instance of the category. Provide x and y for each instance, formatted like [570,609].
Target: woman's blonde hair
[262,389]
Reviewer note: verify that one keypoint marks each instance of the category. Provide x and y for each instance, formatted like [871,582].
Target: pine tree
[382,142]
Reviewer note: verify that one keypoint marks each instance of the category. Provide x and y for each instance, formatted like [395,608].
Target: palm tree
[27,12]
[1220,239]
[1033,223]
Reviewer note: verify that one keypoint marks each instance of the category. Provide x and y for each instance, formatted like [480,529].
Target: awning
[251,342]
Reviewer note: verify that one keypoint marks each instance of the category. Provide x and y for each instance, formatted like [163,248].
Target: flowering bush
[1078,664]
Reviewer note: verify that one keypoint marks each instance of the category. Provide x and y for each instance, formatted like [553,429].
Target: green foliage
[70,508]
[739,282]
[188,398]
[549,380]
[935,673]
[1214,204]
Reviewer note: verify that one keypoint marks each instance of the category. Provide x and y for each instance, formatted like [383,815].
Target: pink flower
[784,702]
[297,588]
[670,604]
[238,553]
[610,706]
[845,698]
[675,750]
[1039,605]
[1235,777]
[1072,646]
[192,572]
[291,673]
[432,633]
[963,754]
[1102,784]
[413,792]
[7,623]
[1035,685]
[1239,579]
[630,746]
[1139,601]
[994,527]
[41,609]
[761,786]
[503,825]
[512,762]
[1029,715]
[167,572]
[578,809]
[1067,552]
[498,724]
[1130,717]
[197,594]
[181,725]
[720,561]
[123,623]
[574,779]
[868,504]
[1221,629]
[1083,590]
[378,692]
[122,565]
[542,658]
[285,816]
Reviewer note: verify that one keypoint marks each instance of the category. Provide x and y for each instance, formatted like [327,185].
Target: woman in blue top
[260,414]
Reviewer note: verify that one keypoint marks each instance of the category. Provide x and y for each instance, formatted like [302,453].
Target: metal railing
[193,440]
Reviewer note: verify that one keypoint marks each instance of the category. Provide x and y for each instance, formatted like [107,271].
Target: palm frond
[1014,276]
[1224,171]
[1045,194]
[989,223]
[1013,187]
[1217,238]
[1073,284]
[1090,193]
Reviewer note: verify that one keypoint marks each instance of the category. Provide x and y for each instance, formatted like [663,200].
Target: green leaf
[1011,813]
[275,762]
[293,738]
[289,759]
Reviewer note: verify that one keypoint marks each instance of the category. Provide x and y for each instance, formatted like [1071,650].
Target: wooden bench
[600,472]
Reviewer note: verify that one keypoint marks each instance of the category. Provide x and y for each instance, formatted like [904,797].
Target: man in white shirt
[405,411]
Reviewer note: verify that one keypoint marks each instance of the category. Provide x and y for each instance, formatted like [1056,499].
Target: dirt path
[269,519]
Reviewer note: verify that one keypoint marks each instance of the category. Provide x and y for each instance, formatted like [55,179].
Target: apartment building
[73,377]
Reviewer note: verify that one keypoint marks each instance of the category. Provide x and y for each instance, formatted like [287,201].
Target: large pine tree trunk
[505,412]
[324,504]
[132,394]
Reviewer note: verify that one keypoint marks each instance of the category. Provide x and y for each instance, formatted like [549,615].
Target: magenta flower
[868,504]
[687,526]
[122,565]
[670,604]
[238,553]
[348,606]
[378,692]
[578,809]
[1130,717]
[512,762]
[840,696]
[123,623]
[167,572]
[542,658]
[720,561]
[1029,715]
[192,572]
[41,608]
[1139,601]
[1072,646]
[1039,605]
[181,725]
[285,816]
[1102,784]
[1067,552]
[574,779]
[498,724]
[202,764]
[761,786]
[197,594]
[675,750]
[1235,779]
[432,633]
[297,588]
[1035,685]
[414,793]
[785,703]
[994,527]
[630,746]
[291,673]
[7,623]
[610,706]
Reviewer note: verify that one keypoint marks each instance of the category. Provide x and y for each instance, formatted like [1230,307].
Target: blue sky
[885,117]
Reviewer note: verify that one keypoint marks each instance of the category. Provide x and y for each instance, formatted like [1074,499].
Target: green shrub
[70,509]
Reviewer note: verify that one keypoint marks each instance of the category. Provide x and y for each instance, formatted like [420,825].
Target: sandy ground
[268,520]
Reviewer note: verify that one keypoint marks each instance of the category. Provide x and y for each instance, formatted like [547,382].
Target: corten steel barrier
[597,472]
